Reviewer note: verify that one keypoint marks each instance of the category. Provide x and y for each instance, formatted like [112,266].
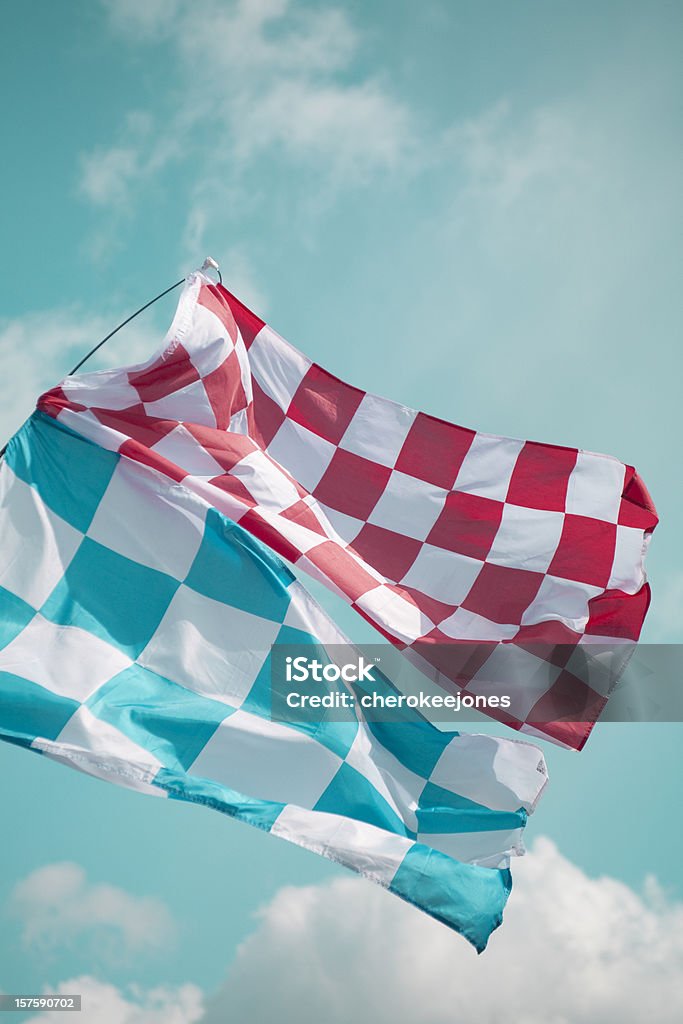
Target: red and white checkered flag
[462,548]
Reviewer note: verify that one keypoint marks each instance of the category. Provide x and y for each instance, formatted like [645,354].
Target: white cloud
[105,1004]
[57,905]
[257,79]
[572,950]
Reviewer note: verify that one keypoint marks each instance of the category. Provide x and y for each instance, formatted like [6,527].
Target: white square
[487,849]
[239,423]
[190,403]
[445,575]
[628,573]
[595,487]
[36,546]
[160,527]
[346,527]
[466,625]
[561,600]
[400,787]
[305,613]
[267,760]
[184,450]
[302,453]
[112,390]
[501,774]
[208,344]
[378,429]
[209,647]
[370,850]
[511,671]
[394,613]
[527,538]
[277,366]
[408,506]
[266,482]
[487,468]
[101,741]
[63,659]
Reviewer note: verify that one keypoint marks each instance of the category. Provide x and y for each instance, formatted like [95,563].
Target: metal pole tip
[210,264]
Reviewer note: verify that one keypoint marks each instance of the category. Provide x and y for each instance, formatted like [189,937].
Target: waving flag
[438,535]
[135,629]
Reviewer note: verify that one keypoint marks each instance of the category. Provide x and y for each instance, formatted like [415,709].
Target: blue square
[466,897]
[70,473]
[172,723]
[441,811]
[112,597]
[233,567]
[28,710]
[260,813]
[335,728]
[351,795]
[15,615]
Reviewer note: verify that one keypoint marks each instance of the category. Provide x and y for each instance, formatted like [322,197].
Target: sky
[473,209]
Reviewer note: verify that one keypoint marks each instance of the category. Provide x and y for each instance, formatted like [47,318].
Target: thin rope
[127,321]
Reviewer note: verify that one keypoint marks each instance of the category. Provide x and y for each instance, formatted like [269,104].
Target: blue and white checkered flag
[136,623]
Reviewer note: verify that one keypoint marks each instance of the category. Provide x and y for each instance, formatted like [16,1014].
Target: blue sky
[470,208]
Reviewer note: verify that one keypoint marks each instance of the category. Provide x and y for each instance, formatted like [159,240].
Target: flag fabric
[136,622]
[438,535]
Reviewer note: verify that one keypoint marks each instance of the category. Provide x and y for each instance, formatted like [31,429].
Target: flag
[438,535]
[136,624]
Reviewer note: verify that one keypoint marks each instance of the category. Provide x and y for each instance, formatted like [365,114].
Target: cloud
[37,351]
[57,905]
[257,80]
[572,950]
[105,1004]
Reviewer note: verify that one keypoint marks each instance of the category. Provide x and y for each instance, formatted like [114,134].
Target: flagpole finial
[210,264]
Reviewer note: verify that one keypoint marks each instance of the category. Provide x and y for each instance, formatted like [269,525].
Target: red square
[303,515]
[502,594]
[324,404]
[586,551]
[270,535]
[390,553]
[617,614]
[248,323]
[435,610]
[268,417]
[134,422]
[170,372]
[434,450]
[54,400]
[234,486]
[148,457]
[226,448]
[351,484]
[568,702]
[211,298]
[458,660]
[224,389]
[551,641]
[637,507]
[467,524]
[541,475]
[342,568]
